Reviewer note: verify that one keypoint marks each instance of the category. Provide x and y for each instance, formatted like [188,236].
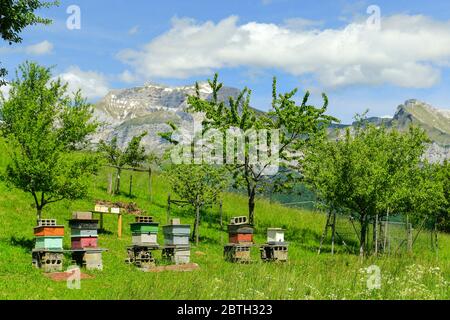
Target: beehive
[49,231]
[84,233]
[84,242]
[242,238]
[176,234]
[82,215]
[143,239]
[144,227]
[83,224]
[275,235]
[49,243]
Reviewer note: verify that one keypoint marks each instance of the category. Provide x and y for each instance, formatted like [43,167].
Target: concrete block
[239,220]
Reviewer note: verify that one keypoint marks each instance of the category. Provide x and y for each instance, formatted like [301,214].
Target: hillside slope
[307,275]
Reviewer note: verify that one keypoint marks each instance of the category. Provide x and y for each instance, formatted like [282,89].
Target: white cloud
[128,77]
[133,30]
[41,48]
[38,49]
[92,84]
[5,90]
[408,51]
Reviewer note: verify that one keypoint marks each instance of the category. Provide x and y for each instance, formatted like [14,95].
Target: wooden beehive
[84,224]
[144,227]
[82,216]
[49,243]
[243,238]
[84,233]
[275,235]
[143,239]
[84,242]
[232,229]
[176,234]
[49,231]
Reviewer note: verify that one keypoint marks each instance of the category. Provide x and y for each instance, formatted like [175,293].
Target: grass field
[422,275]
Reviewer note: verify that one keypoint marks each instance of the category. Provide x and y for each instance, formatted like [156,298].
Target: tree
[45,128]
[371,171]
[133,155]
[295,124]
[198,185]
[17,15]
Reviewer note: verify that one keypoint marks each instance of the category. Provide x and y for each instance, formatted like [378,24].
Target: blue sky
[323,47]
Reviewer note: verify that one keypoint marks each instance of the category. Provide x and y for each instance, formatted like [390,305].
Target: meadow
[420,275]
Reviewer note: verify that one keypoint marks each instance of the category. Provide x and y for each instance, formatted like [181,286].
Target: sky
[363,55]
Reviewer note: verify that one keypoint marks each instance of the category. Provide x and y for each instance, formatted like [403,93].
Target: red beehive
[241,238]
[84,242]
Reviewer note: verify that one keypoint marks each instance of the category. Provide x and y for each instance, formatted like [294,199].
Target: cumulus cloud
[92,84]
[408,50]
[38,49]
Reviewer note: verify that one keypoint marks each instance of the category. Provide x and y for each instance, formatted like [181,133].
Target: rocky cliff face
[129,112]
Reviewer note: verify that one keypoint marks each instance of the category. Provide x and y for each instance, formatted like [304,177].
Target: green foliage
[17,15]
[296,124]
[199,185]
[134,155]
[45,128]
[443,214]
[373,171]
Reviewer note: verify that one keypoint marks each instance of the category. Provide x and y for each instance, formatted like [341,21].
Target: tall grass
[421,275]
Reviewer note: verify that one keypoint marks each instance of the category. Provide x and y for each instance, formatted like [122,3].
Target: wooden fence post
[131,185]
[168,209]
[221,214]
[150,184]
[197,218]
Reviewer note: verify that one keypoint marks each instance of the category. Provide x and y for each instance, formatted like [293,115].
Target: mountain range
[128,112]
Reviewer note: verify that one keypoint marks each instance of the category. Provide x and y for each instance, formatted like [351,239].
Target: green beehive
[144,227]
[49,243]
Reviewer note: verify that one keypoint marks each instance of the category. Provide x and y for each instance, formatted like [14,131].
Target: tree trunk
[38,214]
[363,236]
[251,206]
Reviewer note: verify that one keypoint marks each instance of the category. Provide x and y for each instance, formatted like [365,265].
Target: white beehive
[275,235]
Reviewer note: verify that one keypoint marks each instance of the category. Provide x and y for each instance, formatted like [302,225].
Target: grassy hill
[422,275]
